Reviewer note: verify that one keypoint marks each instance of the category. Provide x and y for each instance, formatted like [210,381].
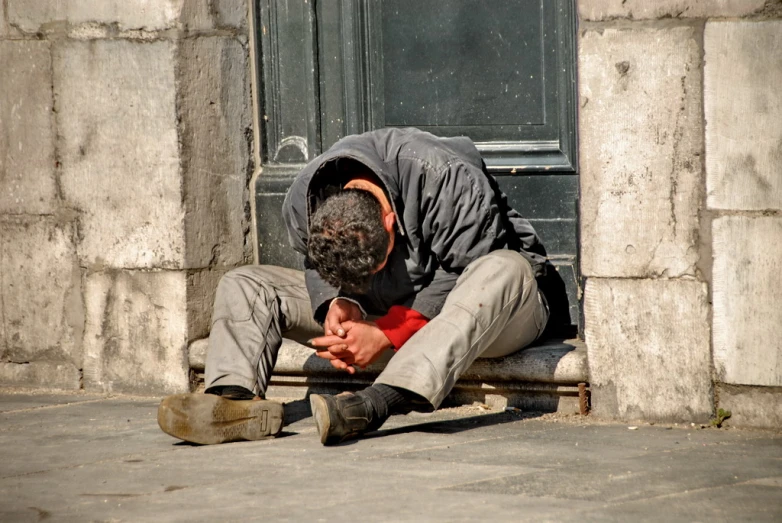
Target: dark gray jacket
[449,212]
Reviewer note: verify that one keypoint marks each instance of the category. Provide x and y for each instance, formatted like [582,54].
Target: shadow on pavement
[455,426]
[447,426]
[300,409]
[297,411]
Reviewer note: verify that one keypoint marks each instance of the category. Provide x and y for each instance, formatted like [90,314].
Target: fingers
[326,355]
[340,329]
[326,341]
[341,351]
[333,318]
[341,365]
[333,327]
[328,326]
[345,362]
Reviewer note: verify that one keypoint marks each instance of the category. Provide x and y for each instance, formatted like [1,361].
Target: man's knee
[254,276]
[238,291]
[245,277]
[503,267]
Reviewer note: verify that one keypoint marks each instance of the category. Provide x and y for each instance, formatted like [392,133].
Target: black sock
[232,392]
[387,400]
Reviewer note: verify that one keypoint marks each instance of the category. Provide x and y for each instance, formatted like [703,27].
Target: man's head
[351,236]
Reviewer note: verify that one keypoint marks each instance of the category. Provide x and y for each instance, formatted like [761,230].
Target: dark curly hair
[347,240]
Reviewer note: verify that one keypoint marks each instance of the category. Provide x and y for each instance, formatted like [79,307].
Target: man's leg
[493,310]
[254,307]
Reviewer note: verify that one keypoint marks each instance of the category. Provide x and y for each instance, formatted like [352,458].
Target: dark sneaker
[208,419]
[342,417]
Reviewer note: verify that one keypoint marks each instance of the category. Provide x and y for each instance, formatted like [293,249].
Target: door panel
[431,52]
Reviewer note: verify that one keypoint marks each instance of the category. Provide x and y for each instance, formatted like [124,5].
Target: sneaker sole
[208,419]
[320,411]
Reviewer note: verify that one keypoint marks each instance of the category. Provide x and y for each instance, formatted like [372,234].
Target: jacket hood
[345,159]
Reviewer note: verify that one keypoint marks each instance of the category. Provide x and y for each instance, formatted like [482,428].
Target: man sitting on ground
[396,225]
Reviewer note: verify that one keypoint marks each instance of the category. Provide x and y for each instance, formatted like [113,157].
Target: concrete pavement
[75,457]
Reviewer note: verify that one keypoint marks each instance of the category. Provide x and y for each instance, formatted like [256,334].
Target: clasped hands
[349,340]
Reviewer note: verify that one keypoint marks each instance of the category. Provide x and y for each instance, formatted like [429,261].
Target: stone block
[216,131]
[41,311]
[648,349]
[644,9]
[3,23]
[214,14]
[747,312]
[119,151]
[230,13]
[641,150]
[550,362]
[27,165]
[40,375]
[756,407]
[196,354]
[32,16]
[136,332]
[743,108]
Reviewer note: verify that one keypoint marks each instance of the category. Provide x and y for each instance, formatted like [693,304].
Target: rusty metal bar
[583,399]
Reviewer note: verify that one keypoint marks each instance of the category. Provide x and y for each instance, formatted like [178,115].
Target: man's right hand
[340,311]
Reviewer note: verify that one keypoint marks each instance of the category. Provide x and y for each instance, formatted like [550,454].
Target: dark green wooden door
[499,71]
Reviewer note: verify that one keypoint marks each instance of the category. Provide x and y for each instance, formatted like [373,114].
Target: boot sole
[320,411]
[208,419]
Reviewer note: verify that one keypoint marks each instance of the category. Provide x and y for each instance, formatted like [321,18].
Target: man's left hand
[363,344]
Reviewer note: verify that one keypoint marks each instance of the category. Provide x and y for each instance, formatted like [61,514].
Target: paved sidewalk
[89,458]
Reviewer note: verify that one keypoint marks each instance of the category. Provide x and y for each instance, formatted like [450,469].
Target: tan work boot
[208,419]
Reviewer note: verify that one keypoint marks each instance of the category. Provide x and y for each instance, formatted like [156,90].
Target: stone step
[544,377]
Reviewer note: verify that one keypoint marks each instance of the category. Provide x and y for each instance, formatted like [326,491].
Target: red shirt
[400,324]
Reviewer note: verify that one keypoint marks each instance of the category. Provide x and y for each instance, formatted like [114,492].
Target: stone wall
[125,156]
[681,160]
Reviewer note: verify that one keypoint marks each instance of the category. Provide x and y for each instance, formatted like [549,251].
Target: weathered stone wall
[743,106]
[124,165]
[681,161]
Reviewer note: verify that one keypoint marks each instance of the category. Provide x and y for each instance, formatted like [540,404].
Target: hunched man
[410,246]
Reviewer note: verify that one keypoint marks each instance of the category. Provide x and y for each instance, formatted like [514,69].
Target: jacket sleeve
[460,222]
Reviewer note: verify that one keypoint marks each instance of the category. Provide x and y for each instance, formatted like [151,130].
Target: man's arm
[320,293]
[400,323]
[461,219]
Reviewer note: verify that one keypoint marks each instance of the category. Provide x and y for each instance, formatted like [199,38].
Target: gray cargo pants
[494,310]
